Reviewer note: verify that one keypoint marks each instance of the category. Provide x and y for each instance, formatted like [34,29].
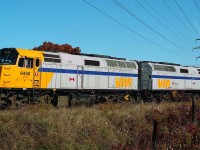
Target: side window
[21,62]
[92,63]
[25,62]
[29,62]
[183,70]
[37,63]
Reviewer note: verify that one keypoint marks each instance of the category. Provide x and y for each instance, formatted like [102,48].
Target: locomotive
[31,76]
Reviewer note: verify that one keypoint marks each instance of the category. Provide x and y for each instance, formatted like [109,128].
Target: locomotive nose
[5,76]
[1,76]
[0,71]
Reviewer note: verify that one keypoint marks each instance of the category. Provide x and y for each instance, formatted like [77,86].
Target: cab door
[24,76]
[36,73]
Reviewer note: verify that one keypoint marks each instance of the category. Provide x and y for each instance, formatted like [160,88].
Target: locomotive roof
[85,54]
[163,63]
[101,56]
[29,53]
[25,52]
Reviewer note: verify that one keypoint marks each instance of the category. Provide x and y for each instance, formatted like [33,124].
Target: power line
[176,15]
[187,17]
[165,19]
[161,22]
[141,21]
[197,6]
[128,28]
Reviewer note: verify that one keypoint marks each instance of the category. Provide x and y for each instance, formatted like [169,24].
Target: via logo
[163,83]
[121,82]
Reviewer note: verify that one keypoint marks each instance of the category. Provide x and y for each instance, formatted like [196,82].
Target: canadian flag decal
[71,79]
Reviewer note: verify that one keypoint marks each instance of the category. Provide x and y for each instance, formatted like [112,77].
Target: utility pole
[193,94]
[196,48]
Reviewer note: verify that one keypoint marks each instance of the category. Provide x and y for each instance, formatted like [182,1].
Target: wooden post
[70,101]
[155,135]
[193,108]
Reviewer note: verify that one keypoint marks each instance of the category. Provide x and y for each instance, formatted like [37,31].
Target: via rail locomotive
[31,76]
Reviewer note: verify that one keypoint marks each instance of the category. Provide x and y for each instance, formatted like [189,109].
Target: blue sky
[26,24]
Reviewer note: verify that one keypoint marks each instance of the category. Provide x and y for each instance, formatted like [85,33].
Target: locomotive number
[24,73]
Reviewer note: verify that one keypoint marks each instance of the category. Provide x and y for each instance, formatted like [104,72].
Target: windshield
[8,56]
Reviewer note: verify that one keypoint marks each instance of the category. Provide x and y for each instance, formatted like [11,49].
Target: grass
[106,126]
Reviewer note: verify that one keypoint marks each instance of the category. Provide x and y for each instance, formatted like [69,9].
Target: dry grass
[107,126]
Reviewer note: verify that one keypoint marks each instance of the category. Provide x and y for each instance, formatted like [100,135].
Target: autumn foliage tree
[48,46]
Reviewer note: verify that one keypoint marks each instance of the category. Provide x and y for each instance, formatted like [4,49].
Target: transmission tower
[196,48]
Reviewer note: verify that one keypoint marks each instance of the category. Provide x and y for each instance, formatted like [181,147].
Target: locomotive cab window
[25,62]
[37,62]
[8,56]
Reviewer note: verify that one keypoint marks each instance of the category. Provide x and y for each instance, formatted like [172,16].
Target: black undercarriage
[19,97]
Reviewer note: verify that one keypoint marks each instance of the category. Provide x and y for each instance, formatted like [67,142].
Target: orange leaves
[48,46]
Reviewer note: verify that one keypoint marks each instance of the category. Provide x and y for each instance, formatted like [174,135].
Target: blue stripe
[70,71]
[175,77]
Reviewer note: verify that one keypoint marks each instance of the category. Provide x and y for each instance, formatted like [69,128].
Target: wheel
[54,100]
[48,99]
[13,101]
